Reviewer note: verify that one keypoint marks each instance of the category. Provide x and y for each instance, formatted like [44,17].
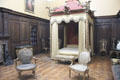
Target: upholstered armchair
[24,61]
[82,67]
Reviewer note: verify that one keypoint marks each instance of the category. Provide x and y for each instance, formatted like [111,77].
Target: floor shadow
[27,77]
[81,78]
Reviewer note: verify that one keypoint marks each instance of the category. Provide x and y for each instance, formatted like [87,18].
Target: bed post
[87,46]
[65,35]
[92,40]
[50,39]
[54,38]
[81,35]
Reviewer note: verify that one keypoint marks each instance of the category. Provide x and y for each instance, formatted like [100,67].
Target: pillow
[72,46]
[118,45]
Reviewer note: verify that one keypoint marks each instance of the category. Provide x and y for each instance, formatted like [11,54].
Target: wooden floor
[47,69]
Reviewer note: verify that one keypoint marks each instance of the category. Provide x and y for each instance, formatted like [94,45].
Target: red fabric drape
[72,33]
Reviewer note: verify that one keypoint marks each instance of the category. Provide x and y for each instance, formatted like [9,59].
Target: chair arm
[15,60]
[35,59]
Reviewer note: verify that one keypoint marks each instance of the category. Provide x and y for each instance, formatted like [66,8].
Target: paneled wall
[106,28]
[1,26]
[17,27]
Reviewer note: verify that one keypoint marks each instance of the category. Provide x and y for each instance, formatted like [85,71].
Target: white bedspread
[69,51]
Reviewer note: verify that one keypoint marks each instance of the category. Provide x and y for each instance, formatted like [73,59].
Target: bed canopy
[73,10]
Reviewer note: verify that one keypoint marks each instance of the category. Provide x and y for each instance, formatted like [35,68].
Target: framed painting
[29,6]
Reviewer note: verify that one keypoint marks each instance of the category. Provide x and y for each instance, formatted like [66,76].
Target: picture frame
[29,6]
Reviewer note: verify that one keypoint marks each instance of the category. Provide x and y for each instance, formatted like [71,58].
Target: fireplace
[5,58]
[1,52]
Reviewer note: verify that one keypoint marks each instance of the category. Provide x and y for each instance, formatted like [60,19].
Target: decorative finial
[49,11]
[66,10]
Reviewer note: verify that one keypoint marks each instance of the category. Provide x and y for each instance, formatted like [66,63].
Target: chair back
[103,44]
[84,58]
[25,55]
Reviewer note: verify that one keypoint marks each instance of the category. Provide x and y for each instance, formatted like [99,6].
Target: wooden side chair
[24,56]
[45,44]
[103,46]
[82,67]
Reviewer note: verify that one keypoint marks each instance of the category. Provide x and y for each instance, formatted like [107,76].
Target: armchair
[25,56]
[82,67]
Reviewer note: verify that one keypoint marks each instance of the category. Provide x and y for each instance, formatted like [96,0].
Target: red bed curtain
[72,33]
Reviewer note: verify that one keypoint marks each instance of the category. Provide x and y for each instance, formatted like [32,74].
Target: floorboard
[47,69]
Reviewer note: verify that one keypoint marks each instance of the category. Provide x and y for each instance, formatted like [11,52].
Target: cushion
[69,51]
[118,45]
[64,57]
[25,55]
[115,61]
[79,67]
[26,67]
[84,57]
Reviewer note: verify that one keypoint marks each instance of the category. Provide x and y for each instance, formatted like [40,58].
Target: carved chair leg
[84,75]
[69,73]
[78,76]
[87,73]
[19,74]
[34,74]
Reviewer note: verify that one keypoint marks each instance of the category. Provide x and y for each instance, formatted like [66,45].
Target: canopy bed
[80,15]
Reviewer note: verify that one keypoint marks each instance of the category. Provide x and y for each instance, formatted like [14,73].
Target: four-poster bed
[81,15]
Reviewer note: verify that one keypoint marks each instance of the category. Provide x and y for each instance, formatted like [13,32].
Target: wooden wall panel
[24,33]
[1,25]
[17,30]
[14,39]
[106,28]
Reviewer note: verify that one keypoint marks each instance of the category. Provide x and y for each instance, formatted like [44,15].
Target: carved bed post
[54,39]
[82,44]
[92,40]
[50,39]
[81,35]
[65,36]
[87,46]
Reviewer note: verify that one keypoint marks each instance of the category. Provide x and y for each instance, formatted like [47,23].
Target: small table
[115,51]
[65,58]
[115,61]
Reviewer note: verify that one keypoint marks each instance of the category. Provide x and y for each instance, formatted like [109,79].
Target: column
[50,39]
[65,44]
[87,45]
[92,40]
[81,36]
[54,39]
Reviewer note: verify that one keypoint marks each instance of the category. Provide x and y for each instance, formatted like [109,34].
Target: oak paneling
[106,28]
[16,28]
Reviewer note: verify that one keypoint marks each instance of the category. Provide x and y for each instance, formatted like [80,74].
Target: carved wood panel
[17,28]
[106,28]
